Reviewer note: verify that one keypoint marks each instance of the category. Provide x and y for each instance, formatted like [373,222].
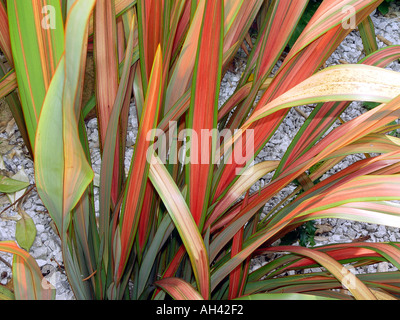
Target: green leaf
[36,52]
[25,231]
[62,170]
[367,33]
[370,105]
[8,185]
[164,230]
[6,294]
[384,7]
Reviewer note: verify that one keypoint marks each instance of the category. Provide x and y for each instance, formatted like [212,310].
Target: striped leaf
[62,171]
[283,296]
[183,69]
[268,49]
[357,287]
[8,84]
[243,184]
[138,175]
[110,147]
[28,281]
[184,222]
[202,111]
[107,78]
[324,115]
[367,33]
[37,39]
[179,289]
[317,42]
[5,44]
[243,14]
[365,188]
[313,87]
[150,21]
[359,79]
[356,251]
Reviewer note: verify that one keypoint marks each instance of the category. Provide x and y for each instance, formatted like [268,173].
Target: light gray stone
[40,253]
[383,267]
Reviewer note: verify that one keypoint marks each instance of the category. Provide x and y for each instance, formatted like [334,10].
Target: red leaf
[140,167]
[205,90]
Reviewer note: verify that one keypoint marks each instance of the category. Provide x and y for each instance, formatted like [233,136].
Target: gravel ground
[46,247]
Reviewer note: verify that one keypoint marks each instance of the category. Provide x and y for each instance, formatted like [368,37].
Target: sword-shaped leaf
[8,84]
[37,41]
[283,296]
[203,110]
[243,14]
[5,44]
[245,181]
[313,47]
[343,83]
[385,91]
[9,81]
[182,72]
[324,115]
[268,49]
[62,170]
[107,78]
[357,287]
[184,222]
[138,175]
[109,148]
[367,32]
[150,23]
[29,283]
[179,289]
[355,251]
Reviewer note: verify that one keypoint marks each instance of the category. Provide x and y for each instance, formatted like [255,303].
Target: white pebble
[39,228]
[383,267]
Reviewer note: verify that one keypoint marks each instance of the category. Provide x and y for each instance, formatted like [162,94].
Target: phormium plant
[183,222]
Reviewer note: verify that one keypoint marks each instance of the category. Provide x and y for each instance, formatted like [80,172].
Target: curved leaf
[62,171]
[9,185]
[184,222]
[29,283]
[357,287]
[245,181]
[337,83]
[179,289]
[283,296]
